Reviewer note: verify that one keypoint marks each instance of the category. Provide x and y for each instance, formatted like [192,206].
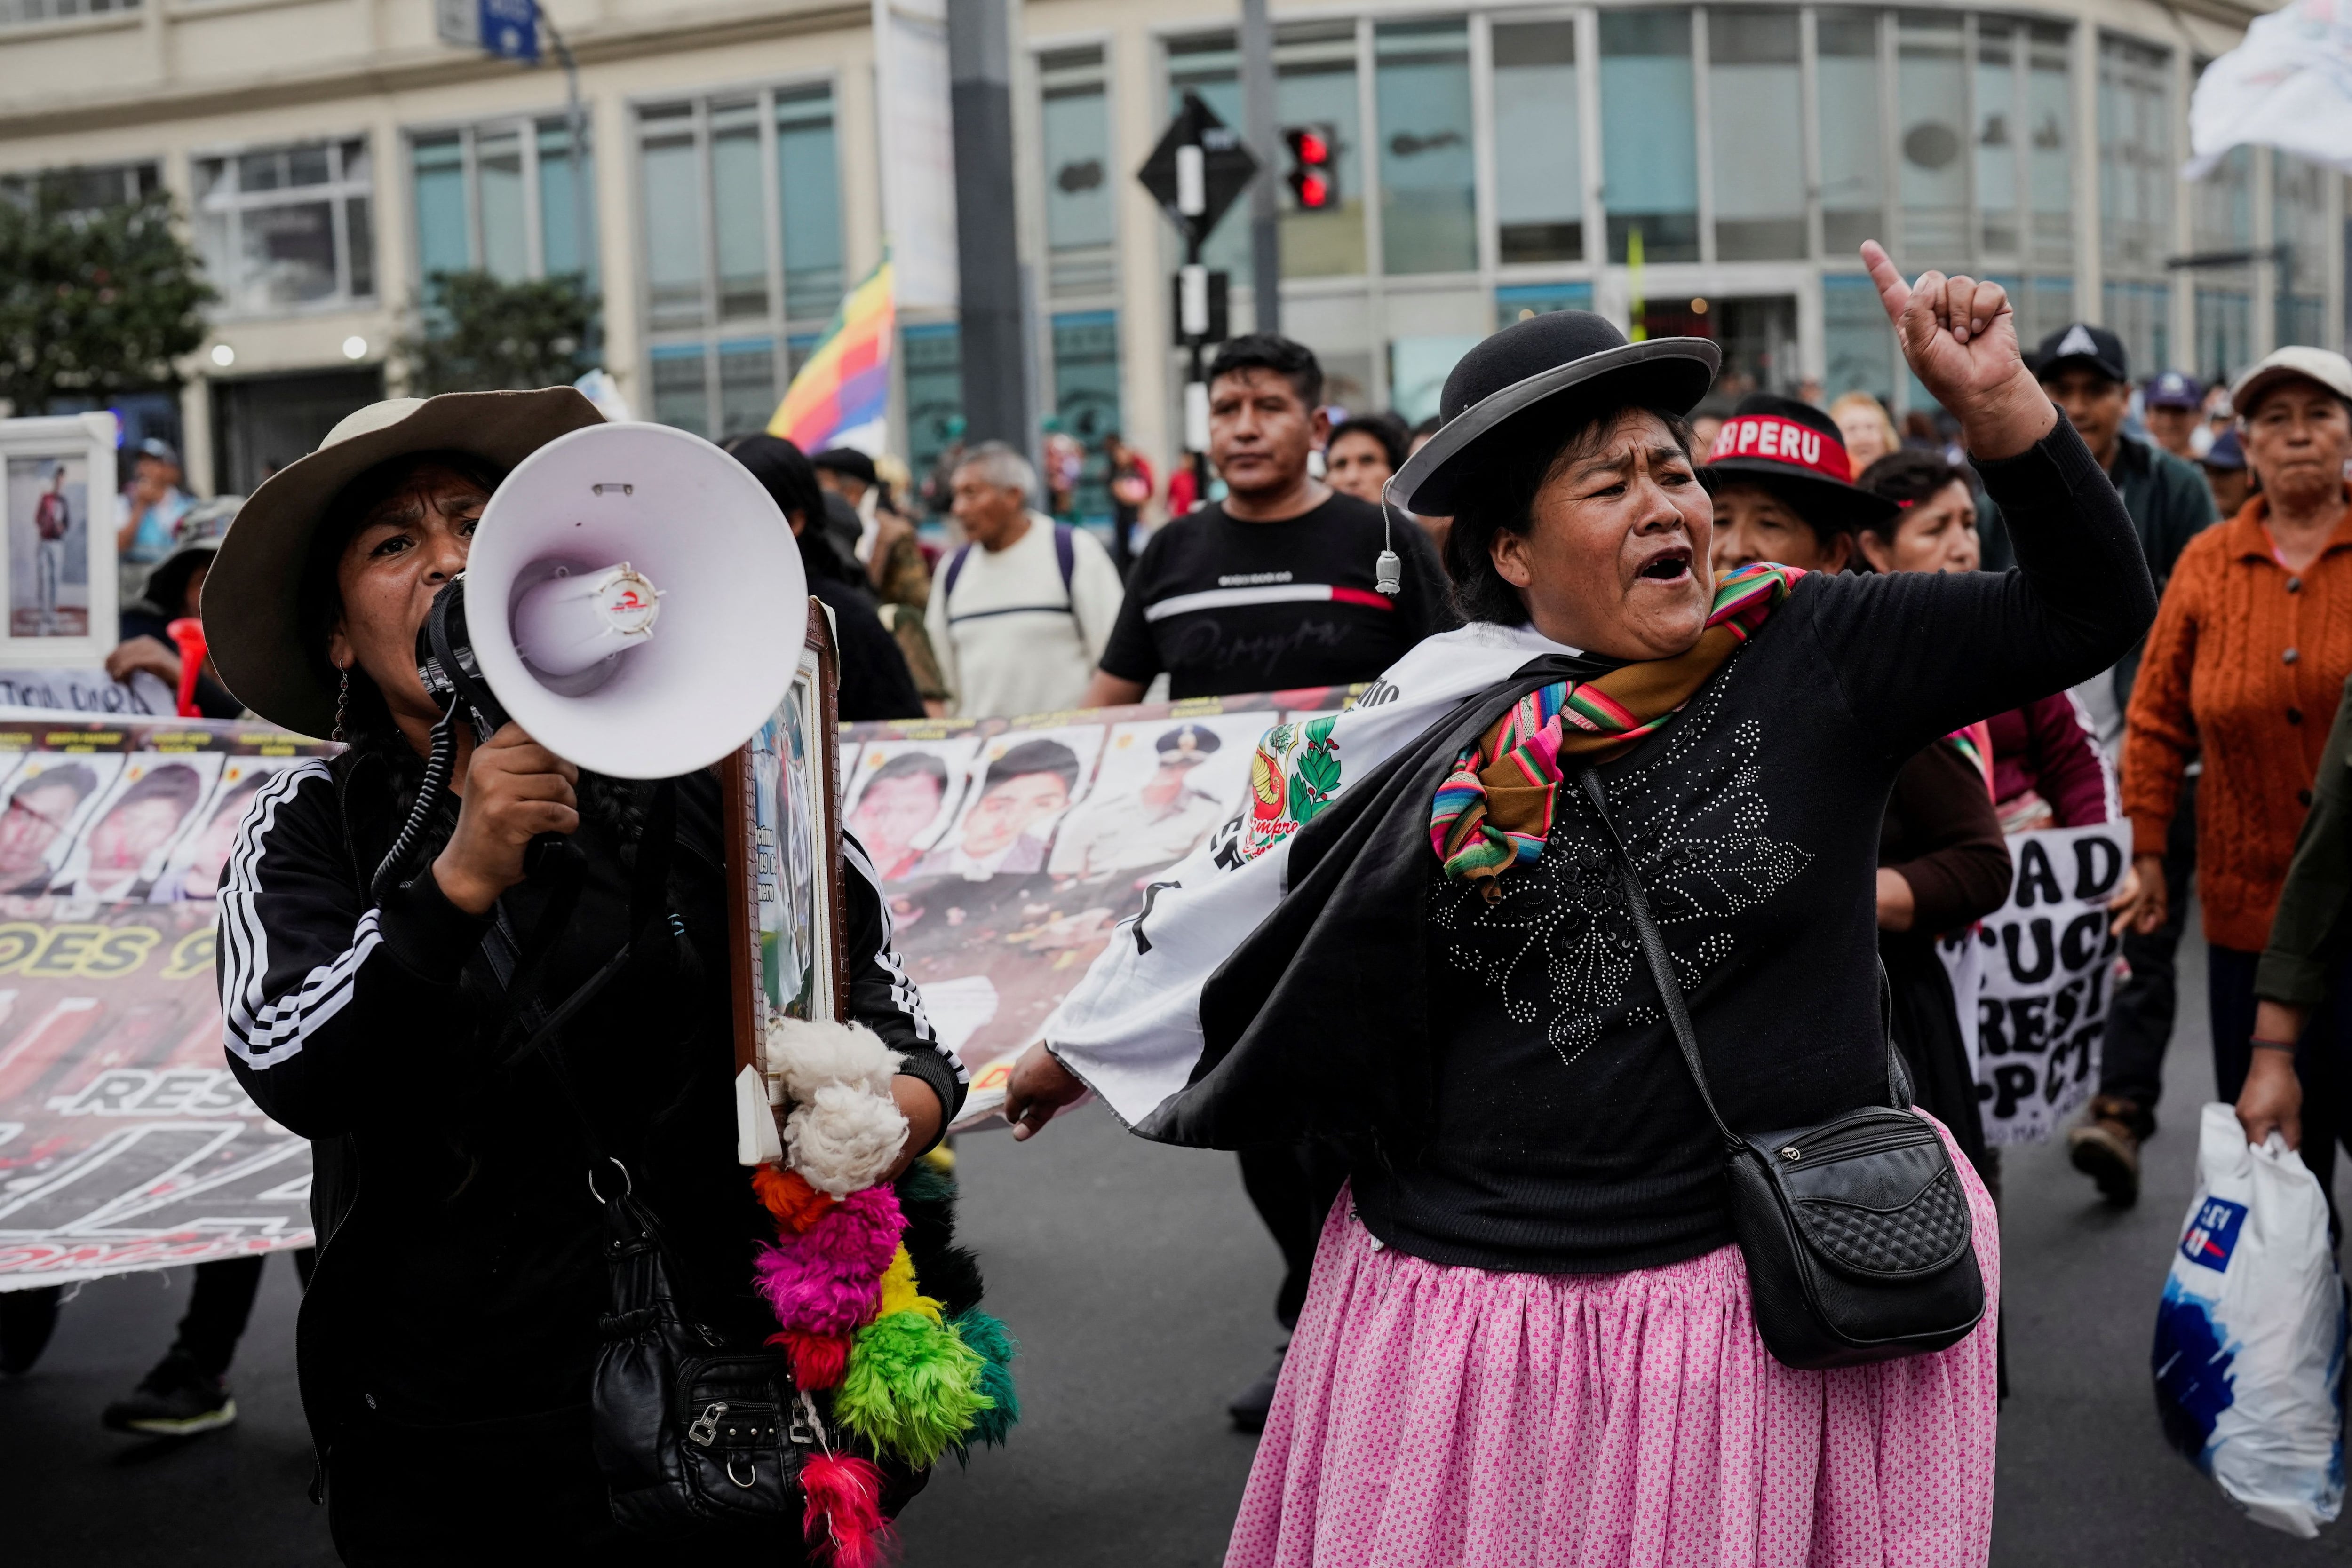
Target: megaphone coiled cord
[429,796]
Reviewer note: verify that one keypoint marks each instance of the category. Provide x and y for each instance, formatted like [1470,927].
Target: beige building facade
[1703,168]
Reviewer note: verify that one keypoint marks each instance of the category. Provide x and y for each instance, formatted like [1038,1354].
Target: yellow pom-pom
[898,1291]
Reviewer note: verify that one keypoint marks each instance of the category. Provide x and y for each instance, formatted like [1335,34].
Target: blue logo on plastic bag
[2212,1233]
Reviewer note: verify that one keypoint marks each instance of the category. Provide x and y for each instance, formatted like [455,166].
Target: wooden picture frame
[781,791]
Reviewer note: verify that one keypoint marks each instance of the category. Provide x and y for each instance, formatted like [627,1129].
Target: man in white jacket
[1019,615]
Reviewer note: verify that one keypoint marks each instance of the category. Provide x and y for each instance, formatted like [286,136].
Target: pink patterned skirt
[1447,1417]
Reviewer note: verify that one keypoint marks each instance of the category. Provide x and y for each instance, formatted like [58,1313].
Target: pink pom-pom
[842,1523]
[829,1279]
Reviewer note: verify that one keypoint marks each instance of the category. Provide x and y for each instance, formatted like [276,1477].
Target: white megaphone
[633,598]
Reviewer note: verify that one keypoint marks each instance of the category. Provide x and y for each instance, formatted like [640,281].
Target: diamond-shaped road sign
[1226,167]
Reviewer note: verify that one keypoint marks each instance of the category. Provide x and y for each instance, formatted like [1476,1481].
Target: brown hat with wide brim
[252,609]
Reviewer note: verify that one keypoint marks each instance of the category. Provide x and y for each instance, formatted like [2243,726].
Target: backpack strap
[955,569]
[1065,555]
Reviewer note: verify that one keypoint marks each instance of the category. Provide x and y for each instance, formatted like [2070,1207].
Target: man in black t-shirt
[1273,589]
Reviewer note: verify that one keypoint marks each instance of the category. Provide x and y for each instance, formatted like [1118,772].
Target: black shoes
[28,1318]
[177,1399]
[1250,1405]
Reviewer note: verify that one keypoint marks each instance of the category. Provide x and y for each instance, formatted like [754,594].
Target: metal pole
[992,341]
[1260,131]
[577,125]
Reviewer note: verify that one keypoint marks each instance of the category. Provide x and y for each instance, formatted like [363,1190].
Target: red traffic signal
[1314,177]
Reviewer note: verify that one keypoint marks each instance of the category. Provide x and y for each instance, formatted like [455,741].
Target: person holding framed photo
[397,1016]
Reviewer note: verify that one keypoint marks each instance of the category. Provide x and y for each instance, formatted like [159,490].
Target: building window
[1085,397]
[743,249]
[932,354]
[1649,136]
[2141,315]
[1846,69]
[1315,85]
[1538,153]
[287,228]
[2225,331]
[86,188]
[2221,204]
[1755,120]
[1931,114]
[2049,145]
[1081,214]
[1525,301]
[1429,217]
[1860,347]
[2136,167]
[2299,219]
[501,198]
[15,11]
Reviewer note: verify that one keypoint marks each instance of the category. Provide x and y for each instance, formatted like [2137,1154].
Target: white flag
[2288,86]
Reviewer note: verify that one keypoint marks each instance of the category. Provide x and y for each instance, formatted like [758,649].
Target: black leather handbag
[690,1430]
[1855,1231]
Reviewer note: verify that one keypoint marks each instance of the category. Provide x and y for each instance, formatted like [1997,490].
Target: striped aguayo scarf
[1494,811]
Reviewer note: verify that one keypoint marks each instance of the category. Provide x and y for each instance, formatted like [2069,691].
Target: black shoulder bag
[691,1430]
[1855,1231]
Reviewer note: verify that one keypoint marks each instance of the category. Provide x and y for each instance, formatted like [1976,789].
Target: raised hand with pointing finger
[1959,335]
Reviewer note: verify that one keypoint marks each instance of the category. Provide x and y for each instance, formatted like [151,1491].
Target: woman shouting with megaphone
[395,988]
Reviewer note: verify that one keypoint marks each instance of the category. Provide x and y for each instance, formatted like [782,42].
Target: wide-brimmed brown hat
[251,600]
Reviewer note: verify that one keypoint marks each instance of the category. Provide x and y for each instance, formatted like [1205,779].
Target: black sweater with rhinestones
[1561,1132]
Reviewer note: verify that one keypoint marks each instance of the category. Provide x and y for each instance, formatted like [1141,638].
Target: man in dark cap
[845,474]
[2084,369]
[1155,824]
[2226,473]
[2170,406]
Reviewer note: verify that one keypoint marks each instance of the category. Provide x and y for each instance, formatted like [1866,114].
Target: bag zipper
[1856,1145]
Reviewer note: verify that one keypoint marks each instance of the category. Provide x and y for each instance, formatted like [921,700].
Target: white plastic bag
[2249,1356]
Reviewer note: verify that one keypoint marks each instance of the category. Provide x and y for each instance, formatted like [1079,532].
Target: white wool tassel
[842,1138]
[807,1056]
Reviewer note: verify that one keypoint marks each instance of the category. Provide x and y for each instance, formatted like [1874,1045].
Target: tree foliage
[94,301]
[478,333]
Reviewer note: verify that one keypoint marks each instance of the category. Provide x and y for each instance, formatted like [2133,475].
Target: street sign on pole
[507,28]
[1224,164]
[1196,173]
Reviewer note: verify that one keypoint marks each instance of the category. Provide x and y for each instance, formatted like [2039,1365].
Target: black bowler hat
[1792,451]
[1519,383]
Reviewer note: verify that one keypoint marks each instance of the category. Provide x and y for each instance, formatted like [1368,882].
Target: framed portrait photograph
[782,792]
[57,573]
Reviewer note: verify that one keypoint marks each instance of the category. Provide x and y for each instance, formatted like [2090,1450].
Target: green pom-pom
[926,1183]
[987,1338]
[912,1388]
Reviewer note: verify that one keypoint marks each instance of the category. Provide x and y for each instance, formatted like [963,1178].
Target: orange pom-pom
[788,1197]
[818,1359]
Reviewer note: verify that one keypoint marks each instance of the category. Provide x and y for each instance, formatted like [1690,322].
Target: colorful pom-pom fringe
[842,1520]
[912,1388]
[818,1360]
[788,1195]
[988,1339]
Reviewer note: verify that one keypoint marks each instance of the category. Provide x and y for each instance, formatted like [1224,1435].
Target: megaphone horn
[633,598]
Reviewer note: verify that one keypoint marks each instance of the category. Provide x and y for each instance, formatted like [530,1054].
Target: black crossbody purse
[1855,1231]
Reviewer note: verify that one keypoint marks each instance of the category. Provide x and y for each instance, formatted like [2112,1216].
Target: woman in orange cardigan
[2244,667]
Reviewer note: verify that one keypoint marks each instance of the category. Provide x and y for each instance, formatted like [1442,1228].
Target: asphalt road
[1142,1288]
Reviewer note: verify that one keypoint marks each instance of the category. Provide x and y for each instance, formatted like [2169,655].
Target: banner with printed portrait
[2035,980]
[1009,849]
[126,1143]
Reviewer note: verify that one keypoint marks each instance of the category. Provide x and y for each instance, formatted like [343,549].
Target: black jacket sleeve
[875,681]
[2313,929]
[1918,654]
[1949,848]
[882,995]
[334,1007]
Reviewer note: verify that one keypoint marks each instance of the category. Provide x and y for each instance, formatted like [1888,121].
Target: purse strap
[1661,963]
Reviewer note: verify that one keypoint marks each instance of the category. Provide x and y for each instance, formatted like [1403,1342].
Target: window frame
[336,192]
[786,336]
[527,127]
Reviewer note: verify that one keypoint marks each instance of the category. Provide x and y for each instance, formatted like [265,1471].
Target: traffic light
[1314,167]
